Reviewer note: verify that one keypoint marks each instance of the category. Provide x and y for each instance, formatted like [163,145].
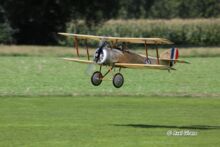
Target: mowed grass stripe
[108,121]
[51,76]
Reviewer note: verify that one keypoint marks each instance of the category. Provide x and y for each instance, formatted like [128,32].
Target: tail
[170,56]
[174,56]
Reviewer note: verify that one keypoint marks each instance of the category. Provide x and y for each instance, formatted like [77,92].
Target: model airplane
[113,53]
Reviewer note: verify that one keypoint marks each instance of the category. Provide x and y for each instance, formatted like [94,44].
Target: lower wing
[144,66]
[126,65]
[79,61]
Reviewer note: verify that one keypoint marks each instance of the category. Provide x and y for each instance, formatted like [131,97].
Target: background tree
[95,11]
[38,21]
[5,29]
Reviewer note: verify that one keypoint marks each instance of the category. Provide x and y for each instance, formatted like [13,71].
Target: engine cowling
[108,56]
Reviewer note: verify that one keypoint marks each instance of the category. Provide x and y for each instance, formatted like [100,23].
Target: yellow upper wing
[121,39]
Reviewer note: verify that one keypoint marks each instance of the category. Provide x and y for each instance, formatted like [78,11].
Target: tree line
[38,21]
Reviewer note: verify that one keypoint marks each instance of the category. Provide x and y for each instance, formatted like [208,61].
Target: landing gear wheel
[96,78]
[118,80]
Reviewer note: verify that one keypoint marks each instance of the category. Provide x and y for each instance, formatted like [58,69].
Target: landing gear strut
[117,80]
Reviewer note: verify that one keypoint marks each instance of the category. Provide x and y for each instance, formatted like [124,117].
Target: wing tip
[61,33]
[65,34]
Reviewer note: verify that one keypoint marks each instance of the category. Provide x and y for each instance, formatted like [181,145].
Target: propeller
[91,67]
[102,44]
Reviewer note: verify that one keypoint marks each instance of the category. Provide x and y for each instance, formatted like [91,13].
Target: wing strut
[158,61]
[76,45]
[87,50]
[145,43]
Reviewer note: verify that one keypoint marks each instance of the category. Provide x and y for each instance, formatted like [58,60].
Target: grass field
[49,76]
[46,101]
[108,121]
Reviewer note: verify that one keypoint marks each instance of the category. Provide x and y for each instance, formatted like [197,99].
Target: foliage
[185,9]
[37,22]
[6,33]
[198,32]
[137,9]
[5,29]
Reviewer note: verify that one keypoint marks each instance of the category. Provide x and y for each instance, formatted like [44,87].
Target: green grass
[108,121]
[46,101]
[37,76]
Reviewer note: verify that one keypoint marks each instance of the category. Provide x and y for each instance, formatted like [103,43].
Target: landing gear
[96,78]
[118,80]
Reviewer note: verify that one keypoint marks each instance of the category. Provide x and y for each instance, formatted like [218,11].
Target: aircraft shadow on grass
[146,126]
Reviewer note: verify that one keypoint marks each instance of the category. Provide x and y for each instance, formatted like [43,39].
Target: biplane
[114,53]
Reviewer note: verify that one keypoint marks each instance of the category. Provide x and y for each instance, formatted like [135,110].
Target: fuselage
[109,56]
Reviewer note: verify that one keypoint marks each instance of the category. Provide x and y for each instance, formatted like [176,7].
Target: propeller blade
[102,44]
[90,69]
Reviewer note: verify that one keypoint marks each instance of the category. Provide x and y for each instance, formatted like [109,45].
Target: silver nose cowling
[101,57]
